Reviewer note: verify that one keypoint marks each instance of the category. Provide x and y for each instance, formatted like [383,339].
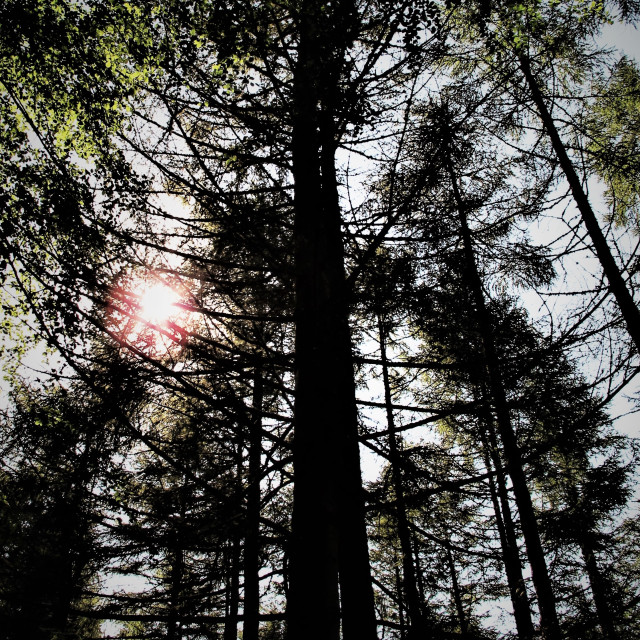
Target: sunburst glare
[158,304]
[147,314]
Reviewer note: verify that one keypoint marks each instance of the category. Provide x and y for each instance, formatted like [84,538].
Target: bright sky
[624,37]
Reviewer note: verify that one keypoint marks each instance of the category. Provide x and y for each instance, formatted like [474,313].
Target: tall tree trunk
[313,607]
[175,594]
[409,582]
[251,608]
[419,577]
[328,548]
[598,588]
[617,285]
[539,573]
[233,557]
[508,538]
[356,588]
[457,595]
[233,590]
[597,582]
[399,590]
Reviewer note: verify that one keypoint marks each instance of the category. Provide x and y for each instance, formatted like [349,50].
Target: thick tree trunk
[329,570]
[71,559]
[313,608]
[251,608]
[617,285]
[508,539]
[539,573]
[409,582]
[356,589]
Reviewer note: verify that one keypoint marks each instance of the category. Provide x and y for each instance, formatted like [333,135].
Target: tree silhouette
[333,207]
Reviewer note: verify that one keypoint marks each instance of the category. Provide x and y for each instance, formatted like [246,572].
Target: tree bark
[399,590]
[329,570]
[233,556]
[586,540]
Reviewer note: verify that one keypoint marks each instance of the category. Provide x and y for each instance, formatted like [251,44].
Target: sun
[148,314]
[157,304]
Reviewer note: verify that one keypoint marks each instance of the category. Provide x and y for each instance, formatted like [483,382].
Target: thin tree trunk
[419,576]
[598,584]
[508,540]
[457,596]
[399,590]
[177,569]
[233,555]
[233,591]
[409,582]
[598,589]
[539,573]
[617,285]
[251,608]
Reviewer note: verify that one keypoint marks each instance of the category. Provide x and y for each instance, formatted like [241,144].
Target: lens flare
[158,304]
[146,314]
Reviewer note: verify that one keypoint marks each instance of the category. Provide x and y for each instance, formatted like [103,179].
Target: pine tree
[51,464]
[214,160]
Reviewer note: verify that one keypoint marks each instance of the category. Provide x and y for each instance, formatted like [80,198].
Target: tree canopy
[329,323]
